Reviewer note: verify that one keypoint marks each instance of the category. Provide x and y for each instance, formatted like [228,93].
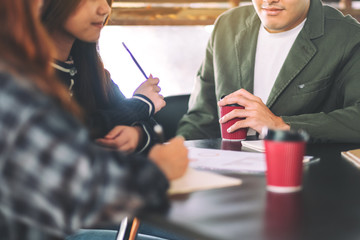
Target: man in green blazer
[302,58]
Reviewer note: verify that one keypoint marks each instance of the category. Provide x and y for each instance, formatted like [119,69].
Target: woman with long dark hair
[116,122]
[53,180]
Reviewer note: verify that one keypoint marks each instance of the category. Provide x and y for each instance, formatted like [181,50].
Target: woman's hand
[171,158]
[122,138]
[150,89]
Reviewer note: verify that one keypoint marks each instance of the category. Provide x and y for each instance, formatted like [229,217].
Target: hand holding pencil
[150,87]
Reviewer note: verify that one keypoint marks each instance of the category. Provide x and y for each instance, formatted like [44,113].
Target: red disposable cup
[284,161]
[237,135]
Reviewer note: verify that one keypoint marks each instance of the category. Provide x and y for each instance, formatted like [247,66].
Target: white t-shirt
[271,52]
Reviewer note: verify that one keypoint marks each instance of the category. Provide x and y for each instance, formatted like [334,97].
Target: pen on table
[128,227]
[159,132]
[136,62]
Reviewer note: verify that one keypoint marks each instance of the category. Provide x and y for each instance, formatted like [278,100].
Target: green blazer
[317,89]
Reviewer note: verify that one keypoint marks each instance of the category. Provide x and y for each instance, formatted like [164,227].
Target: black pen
[133,58]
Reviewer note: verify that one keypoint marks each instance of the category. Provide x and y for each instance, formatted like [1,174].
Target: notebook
[353,156]
[196,180]
[256,145]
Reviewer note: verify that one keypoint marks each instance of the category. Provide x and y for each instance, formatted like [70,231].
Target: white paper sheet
[229,161]
[234,161]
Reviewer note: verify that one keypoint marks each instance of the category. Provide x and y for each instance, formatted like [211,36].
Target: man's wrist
[283,125]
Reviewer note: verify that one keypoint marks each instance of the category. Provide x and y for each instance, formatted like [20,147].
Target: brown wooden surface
[164,16]
[158,12]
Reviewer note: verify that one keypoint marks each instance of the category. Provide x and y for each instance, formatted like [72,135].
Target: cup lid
[230,105]
[233,105]
[283,135]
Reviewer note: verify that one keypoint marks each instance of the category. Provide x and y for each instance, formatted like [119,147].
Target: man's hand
[122,138]
[257,115]
[150,89]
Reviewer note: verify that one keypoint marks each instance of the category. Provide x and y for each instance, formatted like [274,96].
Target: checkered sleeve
[53,177]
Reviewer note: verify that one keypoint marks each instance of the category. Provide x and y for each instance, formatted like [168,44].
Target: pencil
[134,229]
[136,62]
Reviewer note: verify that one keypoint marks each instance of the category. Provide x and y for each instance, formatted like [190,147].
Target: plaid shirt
[53,180]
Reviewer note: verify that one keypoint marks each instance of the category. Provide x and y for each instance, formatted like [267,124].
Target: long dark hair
[26,49]
[92,75]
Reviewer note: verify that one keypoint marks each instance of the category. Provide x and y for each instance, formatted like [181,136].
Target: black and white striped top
[118,110]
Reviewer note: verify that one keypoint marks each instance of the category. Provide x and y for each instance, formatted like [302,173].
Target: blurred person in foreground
[53,180]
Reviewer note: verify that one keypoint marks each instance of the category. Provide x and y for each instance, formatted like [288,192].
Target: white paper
[195,180]
[230,161]
[234,161]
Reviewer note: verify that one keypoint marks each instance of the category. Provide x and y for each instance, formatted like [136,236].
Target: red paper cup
[239,134]
[284,161]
